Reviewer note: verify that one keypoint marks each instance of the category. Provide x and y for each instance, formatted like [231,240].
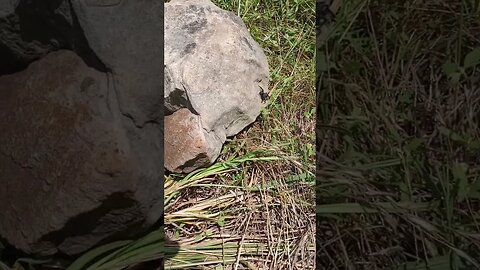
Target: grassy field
[398,140]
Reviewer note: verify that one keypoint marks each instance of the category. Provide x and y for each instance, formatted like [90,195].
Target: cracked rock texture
[214,72]
[81,159]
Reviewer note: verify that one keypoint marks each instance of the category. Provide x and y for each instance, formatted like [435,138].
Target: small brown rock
[186,142]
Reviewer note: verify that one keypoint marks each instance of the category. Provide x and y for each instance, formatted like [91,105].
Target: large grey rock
[74,171]
[81,160]
[213,68]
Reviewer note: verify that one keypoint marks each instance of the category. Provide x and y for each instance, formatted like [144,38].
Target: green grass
[398,137]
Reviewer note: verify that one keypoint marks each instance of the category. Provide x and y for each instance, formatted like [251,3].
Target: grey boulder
[216,71]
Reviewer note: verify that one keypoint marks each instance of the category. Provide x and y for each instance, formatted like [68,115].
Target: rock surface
[81,148]
[74,170]
[215,70]
[187,141]
[24,38]
[108,34]
[30,30]
[127,38]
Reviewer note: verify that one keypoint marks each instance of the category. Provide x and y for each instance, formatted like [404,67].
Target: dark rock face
[81,145]
[127,37]
[74,170]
